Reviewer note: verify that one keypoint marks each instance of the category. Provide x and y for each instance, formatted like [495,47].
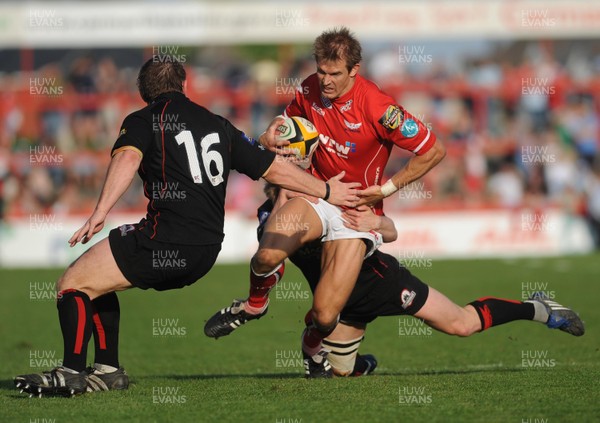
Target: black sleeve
[135,132]
[247,155]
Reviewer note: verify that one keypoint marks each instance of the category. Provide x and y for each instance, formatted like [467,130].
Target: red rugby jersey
[358,131]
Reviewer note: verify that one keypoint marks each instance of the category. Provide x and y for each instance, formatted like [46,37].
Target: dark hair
[159,75]
[338,44]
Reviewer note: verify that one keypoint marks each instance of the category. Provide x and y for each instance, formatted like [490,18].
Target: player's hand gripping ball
[303,138]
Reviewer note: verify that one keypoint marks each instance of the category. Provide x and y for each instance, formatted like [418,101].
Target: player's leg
[444,315]
[94,273]
[341,261]
[106,318]
[106,373]
[291,226]
[343,344]
[294,224]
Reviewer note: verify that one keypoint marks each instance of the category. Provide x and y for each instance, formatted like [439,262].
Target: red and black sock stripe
[496,311]
[75,316]
[106,317]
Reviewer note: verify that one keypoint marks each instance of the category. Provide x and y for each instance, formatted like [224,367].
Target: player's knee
[460,328]
[265,260]
[325,320]
[68,281]
[65,282]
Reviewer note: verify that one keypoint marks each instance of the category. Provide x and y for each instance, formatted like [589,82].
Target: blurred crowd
[520,123]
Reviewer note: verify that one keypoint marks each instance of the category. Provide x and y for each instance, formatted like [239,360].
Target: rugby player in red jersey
[359,126]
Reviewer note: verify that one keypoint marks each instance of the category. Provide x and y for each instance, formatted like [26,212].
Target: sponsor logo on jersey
[342,150]
[123,132]
[352,146]
[407,298]
[409,128]
[326,102]
[392,117]
[355,127]
[347,106]
[317,109]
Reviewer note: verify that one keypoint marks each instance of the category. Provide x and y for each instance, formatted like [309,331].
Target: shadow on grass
[8,389]
[299,375]
[226,376]
[434,372]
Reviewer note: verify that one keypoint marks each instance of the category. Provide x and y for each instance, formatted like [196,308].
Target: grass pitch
[519,372]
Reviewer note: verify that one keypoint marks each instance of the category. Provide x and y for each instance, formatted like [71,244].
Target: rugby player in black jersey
[386,288]
[183,154]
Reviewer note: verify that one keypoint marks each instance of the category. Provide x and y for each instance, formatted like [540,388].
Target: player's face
[334,78]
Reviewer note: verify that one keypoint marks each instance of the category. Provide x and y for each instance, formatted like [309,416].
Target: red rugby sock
[261,285]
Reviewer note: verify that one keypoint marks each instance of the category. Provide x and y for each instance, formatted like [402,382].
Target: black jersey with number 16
[187,153]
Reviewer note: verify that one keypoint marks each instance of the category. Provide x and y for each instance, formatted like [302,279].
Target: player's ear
[184,85]
[354,70]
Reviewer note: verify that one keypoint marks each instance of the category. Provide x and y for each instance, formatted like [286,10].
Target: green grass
[237,378]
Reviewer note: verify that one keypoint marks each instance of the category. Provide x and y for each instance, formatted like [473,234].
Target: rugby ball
[303,138]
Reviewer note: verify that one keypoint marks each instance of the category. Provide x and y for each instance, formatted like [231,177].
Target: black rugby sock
[496,311]
[75,316]
[106,329]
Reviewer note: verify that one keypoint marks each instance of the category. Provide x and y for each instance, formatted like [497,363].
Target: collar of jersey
[170,95]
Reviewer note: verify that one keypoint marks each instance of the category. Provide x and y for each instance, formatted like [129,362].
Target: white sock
[255,310]
[541,313]
[105,368]
[266,275]
[311,351]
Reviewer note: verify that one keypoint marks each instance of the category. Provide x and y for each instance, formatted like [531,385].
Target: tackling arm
[291,177]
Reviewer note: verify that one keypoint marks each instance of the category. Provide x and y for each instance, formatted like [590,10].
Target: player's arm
[134,137]
[291,177]
[416,167]
[121,171]
[362,219]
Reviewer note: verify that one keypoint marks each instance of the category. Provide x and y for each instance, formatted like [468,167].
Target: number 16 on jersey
[187,139]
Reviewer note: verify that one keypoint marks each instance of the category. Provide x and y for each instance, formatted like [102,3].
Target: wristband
[388,188]
[327,191]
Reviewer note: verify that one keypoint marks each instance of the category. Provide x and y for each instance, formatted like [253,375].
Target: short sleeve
[395,124]
[247,155]
[135,134]
[295,108]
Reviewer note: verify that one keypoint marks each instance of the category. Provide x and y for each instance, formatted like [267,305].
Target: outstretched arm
[120,173]
[290,176]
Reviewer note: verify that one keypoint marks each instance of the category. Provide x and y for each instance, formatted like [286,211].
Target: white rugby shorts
[332,223]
